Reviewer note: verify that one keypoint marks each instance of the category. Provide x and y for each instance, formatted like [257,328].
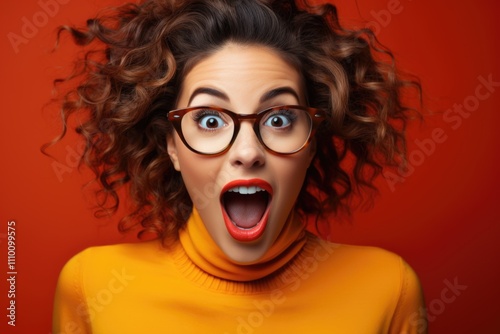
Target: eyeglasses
[283,129]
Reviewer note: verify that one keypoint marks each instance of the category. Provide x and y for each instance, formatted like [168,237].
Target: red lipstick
[263,190]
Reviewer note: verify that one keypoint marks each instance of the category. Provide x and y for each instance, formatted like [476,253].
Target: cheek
[295,181]
[198,176]
[298,166]
[291,176]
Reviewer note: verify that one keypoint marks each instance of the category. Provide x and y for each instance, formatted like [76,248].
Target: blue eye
[209,120]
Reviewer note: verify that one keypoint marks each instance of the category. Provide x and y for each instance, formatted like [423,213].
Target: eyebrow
[266,97]
[279,91]
[209,91]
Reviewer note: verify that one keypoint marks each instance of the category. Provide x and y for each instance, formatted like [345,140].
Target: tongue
[245,210]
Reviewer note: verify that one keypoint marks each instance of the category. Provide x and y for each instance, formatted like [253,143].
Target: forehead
[242,71]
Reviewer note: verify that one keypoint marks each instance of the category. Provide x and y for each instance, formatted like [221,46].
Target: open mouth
[245,207]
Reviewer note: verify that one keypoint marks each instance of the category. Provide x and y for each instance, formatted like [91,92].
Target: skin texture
[244,74]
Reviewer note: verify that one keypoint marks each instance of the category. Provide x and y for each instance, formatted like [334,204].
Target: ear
[172,151]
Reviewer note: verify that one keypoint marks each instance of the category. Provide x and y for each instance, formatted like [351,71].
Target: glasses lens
[285,130]
[206,130]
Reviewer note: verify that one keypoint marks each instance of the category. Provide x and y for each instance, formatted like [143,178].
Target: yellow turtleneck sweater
[302,285]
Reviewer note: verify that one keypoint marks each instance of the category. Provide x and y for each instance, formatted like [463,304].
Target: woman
[230,124]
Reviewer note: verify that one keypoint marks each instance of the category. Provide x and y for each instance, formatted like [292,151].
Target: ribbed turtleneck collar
[204,252]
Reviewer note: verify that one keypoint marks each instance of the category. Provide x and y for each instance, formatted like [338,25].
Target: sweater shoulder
[122,250]
[97,265]
[365,267]
[375,276]
[354,255]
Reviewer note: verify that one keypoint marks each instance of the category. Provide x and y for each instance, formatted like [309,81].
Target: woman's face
[245,80]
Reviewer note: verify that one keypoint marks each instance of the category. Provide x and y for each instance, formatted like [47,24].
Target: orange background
[443,219]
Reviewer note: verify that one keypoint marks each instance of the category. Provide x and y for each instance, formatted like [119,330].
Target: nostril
[247,161]
[249,156]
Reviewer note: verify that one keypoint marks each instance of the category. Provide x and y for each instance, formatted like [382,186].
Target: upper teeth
[246,190]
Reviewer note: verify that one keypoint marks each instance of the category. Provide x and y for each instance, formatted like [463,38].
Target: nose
[246,150]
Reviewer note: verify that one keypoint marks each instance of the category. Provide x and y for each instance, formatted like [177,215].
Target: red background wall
[443,218]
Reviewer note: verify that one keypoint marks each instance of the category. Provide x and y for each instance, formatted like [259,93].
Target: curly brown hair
[140,54]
